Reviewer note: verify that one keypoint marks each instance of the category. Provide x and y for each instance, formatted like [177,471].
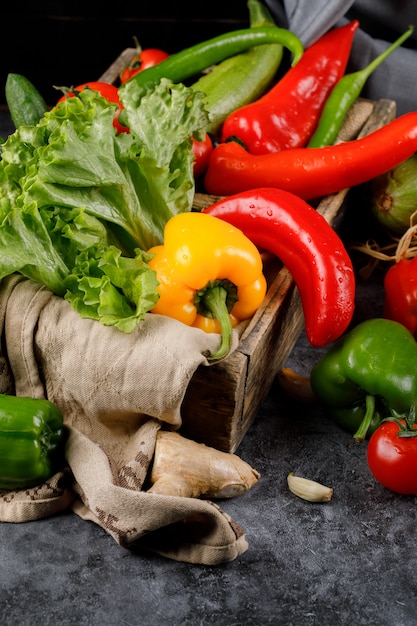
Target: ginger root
[182,467]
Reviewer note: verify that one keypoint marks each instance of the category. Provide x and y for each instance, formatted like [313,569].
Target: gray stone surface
[351,561]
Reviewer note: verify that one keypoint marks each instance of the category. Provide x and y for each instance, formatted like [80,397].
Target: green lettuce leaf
[113,289]
[26,247]
[80,204]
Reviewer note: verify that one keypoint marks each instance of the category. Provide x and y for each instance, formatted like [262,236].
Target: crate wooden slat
[222,400]
[111,74]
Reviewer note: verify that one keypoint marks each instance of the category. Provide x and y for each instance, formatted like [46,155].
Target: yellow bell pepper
[210,275]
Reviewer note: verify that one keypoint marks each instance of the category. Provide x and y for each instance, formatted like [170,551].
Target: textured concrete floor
[351,561]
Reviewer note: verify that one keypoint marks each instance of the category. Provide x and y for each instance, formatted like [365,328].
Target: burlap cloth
[115,391]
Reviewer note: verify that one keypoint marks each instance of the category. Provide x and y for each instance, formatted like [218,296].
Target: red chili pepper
[287,115]
[313,172]
[313,253]
[400,287]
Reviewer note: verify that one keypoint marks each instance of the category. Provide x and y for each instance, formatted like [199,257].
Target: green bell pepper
[370,373]
[31,440]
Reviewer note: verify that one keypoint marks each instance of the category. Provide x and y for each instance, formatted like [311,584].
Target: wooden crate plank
[213,402]
[113,72]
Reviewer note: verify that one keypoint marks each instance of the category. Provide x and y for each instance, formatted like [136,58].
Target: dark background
[68,43]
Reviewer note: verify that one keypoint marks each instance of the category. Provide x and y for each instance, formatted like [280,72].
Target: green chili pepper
[31,439]
[191,61]
[367,375]
[243,78]
[343,95]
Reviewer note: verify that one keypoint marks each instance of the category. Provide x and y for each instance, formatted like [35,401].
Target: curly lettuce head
[73,191]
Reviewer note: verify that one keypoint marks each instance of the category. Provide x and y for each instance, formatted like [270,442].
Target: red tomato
[393,459]
[201,151]
[141,61]
[108,91]
[400,286]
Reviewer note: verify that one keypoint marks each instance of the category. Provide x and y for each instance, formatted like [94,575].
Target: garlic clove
[309,489]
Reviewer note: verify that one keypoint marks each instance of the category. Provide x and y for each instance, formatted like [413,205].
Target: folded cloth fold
[115,392]
[184,529]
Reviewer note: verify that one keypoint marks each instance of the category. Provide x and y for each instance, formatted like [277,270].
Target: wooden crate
[222,400]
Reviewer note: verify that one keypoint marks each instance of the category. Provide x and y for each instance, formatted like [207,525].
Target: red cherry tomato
[108,91]
[393,459]
[201,151]
[141,61]
[400,286]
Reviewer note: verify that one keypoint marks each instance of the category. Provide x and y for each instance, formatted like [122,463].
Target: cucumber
[243,78]
[25,103]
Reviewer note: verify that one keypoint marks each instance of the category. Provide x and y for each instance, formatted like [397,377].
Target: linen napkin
[116,391]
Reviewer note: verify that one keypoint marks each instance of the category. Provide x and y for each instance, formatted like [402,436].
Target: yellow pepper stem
[214,299]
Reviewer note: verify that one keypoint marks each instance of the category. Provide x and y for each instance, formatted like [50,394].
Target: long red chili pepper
[313,172]
[287,115]
[313,253]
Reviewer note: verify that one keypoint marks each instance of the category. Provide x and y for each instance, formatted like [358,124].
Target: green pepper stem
[364,74]
[362,431]
[215,301]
